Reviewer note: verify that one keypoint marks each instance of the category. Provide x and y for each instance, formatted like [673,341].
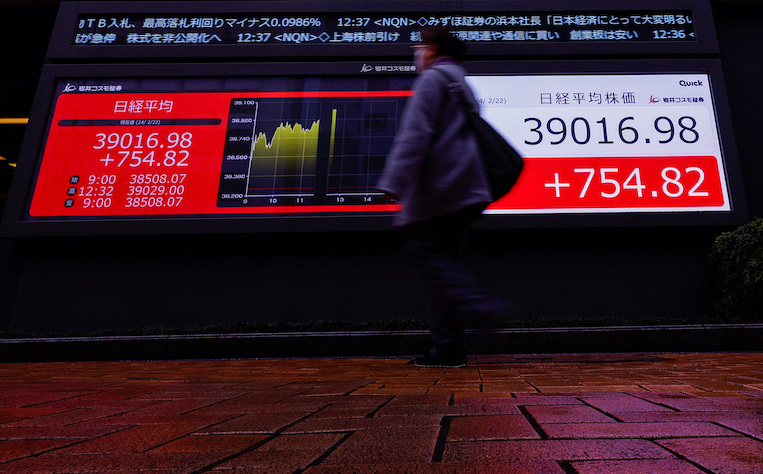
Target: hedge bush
[736,266]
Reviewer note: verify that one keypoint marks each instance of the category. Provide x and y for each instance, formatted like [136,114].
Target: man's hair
[447,44]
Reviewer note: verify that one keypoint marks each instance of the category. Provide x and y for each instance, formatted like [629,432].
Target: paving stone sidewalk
[603,413]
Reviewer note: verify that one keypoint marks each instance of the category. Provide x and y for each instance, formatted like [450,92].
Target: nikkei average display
[599,143]
[267,150]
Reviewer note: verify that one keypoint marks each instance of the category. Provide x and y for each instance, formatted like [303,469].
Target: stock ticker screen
[298,144]
[666,24]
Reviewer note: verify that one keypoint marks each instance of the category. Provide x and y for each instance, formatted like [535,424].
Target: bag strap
[456,90]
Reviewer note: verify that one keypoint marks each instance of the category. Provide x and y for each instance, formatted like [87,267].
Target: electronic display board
[276,151]
[276,145]
[375,27]
[606,143]
[371,28]
[283,119]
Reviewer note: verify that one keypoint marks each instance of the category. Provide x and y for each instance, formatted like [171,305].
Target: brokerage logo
[366,68]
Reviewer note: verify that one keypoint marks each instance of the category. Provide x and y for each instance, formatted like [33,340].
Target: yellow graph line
[333,136]
[287,135]
[292,151]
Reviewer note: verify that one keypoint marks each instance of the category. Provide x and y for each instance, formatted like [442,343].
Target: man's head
[437,42]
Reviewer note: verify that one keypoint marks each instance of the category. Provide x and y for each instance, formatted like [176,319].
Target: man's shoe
[440,362]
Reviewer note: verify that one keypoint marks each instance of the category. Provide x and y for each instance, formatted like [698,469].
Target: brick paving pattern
[604,413]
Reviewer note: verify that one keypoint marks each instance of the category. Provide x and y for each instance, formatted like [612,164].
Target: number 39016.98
[140,141]
[580,130]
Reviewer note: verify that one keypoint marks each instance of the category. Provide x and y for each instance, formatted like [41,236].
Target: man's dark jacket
[434,167]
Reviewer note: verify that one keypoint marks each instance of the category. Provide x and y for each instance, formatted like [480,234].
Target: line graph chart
[327,149]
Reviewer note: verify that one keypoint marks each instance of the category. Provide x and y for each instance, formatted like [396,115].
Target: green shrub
[736,266]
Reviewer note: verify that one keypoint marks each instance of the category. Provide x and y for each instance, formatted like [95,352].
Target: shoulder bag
[502,163]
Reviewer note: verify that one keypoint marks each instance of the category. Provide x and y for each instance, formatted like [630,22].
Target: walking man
[434,169]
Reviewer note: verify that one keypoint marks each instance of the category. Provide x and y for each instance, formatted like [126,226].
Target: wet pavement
[562,413]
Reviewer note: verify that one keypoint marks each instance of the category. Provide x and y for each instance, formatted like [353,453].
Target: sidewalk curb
[688,338]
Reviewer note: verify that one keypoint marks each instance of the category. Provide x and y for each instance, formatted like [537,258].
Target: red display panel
[160,154]
[609,184]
